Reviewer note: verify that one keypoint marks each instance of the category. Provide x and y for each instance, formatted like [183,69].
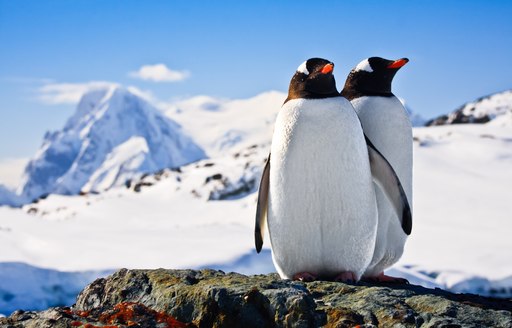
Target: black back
[361,83]
[314,84]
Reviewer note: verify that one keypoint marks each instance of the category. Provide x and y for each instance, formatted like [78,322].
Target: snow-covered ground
[462,203]
[176,219]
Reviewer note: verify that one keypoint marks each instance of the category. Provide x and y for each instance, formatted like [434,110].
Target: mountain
[113,136]
[496,107]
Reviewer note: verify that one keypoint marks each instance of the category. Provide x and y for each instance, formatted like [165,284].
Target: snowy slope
[87,154]
[462,180]
[496,107]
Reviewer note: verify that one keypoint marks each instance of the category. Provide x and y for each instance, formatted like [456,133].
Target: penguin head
[372,77]
[313,79]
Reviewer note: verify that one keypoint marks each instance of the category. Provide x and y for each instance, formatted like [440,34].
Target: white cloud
[69,93]
[159,73]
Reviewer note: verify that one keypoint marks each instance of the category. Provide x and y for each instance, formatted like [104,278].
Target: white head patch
[303,69]
[364,66]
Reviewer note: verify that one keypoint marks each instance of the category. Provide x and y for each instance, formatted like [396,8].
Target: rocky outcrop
[482,110]
[207,298]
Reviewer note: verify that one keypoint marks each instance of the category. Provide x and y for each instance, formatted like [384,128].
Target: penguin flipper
[385,176]
[261,209]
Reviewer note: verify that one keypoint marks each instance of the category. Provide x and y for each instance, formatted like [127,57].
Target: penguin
[387,125]
[316,194]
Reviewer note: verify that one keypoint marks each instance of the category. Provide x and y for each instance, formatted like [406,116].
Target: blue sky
[458,50]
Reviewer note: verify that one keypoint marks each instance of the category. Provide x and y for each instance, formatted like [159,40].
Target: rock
[208,298]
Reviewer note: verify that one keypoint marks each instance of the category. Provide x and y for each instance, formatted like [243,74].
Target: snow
[494,105]
[175,219]
[462,207]
[121,165]
[502,120]
[168,224]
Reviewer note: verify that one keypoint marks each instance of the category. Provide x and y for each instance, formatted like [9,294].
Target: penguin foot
[387,279]
[346,276]
[304,276]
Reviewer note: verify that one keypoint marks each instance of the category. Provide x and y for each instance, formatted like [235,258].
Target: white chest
[321,198]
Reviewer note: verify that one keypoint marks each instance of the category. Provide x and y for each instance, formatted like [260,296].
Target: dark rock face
[207,298]
[458,117]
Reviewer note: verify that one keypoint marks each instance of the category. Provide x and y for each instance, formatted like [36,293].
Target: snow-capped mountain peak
[86,154]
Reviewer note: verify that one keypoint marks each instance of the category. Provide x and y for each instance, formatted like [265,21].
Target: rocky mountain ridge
[496,107]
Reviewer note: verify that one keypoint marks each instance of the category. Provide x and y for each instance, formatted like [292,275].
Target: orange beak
[327,68]
[398,63]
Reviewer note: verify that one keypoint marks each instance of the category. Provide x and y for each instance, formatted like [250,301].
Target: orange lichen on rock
[122,313]
[130,314]
[170,321]
[83,314]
